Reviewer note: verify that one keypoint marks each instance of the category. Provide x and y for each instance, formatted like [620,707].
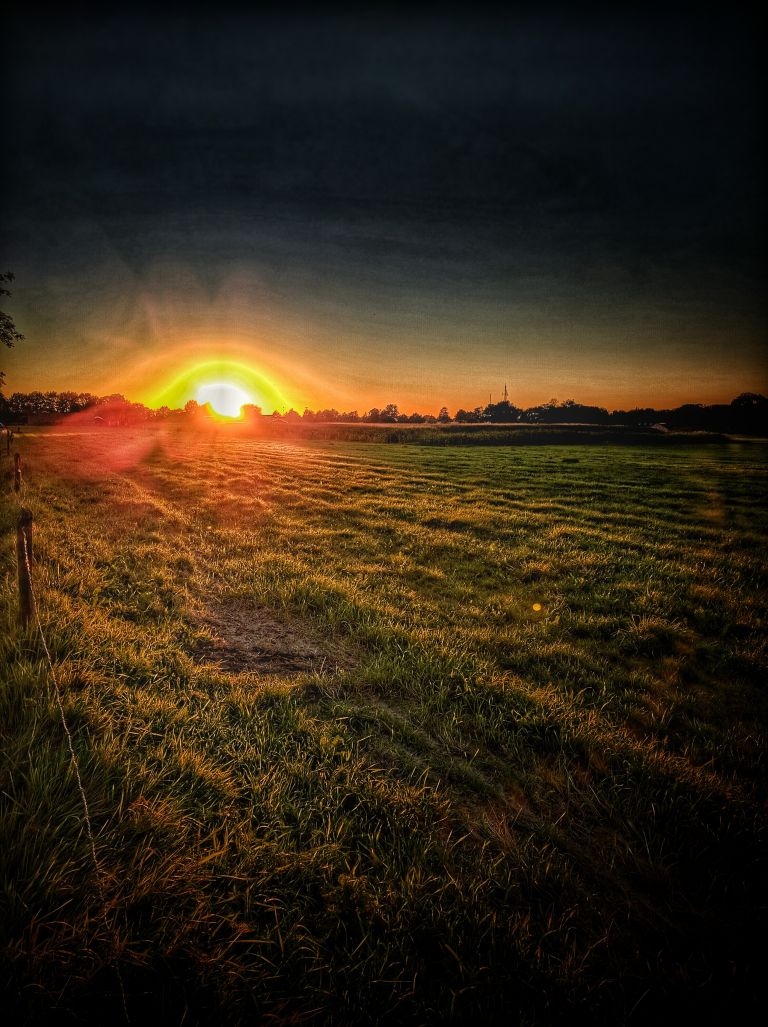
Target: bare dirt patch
[246,637]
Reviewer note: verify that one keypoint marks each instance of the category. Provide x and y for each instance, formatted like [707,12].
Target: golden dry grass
[489,813]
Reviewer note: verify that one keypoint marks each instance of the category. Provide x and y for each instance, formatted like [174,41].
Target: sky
[350,210]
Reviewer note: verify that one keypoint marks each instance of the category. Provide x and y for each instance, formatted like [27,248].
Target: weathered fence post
[24,559]
[16,472]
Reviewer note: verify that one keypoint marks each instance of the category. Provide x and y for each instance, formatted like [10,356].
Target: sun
[226,400]
[227,385]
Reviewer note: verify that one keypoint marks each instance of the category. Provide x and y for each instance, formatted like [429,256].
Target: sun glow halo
[226,384]
[225,399]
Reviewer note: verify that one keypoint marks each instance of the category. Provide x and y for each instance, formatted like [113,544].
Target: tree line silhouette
[746,414]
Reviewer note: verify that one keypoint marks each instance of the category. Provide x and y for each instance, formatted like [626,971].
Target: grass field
[386,734]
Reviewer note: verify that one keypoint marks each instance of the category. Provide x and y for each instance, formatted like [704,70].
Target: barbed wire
[98,873]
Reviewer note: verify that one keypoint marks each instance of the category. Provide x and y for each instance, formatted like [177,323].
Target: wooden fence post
[24,559]
[16,472]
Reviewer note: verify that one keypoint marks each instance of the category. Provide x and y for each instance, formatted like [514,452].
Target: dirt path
[248,637]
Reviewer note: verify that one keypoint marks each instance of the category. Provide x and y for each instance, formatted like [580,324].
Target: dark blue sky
[409,209]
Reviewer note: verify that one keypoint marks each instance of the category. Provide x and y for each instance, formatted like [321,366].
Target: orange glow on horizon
[277,376]
[185,329]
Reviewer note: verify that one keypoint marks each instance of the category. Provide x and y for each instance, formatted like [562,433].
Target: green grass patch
[535,795]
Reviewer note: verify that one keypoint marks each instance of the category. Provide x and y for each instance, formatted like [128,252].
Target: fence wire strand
[98,873]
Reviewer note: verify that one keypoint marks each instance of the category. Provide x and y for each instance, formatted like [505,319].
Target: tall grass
[500,814]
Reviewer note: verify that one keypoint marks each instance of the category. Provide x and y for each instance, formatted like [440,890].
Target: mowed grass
[538,797]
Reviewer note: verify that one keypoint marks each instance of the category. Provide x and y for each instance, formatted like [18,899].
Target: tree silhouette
[9,334]
[251,413]
[503,412]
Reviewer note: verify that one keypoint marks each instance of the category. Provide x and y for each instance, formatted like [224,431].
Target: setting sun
[226,384]
[225,399]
